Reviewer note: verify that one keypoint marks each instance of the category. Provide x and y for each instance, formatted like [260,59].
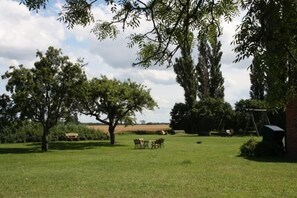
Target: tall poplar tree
[186,74]
[210,78]
[202,68]
[216,87]
[257,78]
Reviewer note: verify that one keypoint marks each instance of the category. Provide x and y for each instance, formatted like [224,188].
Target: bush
[32,132]
[248,148]
[260,149]
[207,114]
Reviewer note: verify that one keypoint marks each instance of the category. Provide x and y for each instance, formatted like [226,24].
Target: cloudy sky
[22,33]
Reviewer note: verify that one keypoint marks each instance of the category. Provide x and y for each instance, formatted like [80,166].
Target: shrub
[248,148]
[206,115]
[260,149]
[58,132]
[32,132]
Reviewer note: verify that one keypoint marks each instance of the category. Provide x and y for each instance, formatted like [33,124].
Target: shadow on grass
[36,147]
[32,149]
[275,159]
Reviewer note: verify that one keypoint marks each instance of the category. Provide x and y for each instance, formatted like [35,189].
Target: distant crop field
[138,127]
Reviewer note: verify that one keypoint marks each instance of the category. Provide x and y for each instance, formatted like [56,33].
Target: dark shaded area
[77,145]
[32,149]
[80,145]
[274,159]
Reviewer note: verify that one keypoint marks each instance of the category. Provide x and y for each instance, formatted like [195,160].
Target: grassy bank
[182,169]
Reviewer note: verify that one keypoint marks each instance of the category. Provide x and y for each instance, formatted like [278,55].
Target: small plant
[260,149]
[248,148]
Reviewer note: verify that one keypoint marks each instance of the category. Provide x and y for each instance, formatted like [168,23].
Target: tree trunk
[44,144]
[112,135]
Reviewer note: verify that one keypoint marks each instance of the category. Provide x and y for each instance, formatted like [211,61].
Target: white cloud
[23,32]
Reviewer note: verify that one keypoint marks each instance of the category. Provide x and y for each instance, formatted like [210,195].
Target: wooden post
[291,127]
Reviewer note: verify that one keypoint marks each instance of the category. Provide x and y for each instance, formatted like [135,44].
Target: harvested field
[134,128]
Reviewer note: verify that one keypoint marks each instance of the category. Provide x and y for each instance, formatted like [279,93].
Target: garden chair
[137,143]
[158,143]
[161,141]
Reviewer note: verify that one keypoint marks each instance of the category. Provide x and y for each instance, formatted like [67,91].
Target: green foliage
[257,78]
[248,148]
[186,74]
[84,133]
[210,79]
[48,91]
[8,113]
[111,101]
[254,148]
[179,117]
[32,132]
[169,20]
[241,117]
[208,114]
[268,33]
[214,114]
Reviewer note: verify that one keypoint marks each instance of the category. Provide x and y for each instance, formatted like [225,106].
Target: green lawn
[182,169]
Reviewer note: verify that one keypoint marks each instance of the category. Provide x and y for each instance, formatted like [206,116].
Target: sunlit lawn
[182,169]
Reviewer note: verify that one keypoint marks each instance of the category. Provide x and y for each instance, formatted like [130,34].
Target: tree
[257,78]
[213,114]
[216,88]
[48,91]
[169,19]
[210,78]
[115,100]
[203,69]
[8,115]
[186,75]
[269,28]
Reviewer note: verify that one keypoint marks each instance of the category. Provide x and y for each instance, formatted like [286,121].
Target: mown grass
[182,169]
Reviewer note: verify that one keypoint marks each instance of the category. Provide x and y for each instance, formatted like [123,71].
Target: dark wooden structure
[250,114]
[291,127]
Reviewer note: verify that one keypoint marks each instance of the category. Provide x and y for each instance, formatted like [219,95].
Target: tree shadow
[30,149]
[274,159]
[79,145]
[72,145]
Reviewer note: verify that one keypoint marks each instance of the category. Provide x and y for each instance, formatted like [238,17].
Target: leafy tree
[184,117]
[8,115]
[186,74]
[203,69]
[207,114]
[169,19]
[213,114]
[269,28]
[216,88]
[179,114]
[257,78]
[46,92]
[210,78]
[113,101]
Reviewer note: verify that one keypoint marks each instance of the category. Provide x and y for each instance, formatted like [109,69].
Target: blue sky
[22,33]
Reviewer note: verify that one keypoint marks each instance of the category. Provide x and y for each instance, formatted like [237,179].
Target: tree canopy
[46,92]
[268,33]
[169,20]
[112,101]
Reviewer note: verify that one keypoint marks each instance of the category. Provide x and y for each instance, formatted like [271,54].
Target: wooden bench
[72,136]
